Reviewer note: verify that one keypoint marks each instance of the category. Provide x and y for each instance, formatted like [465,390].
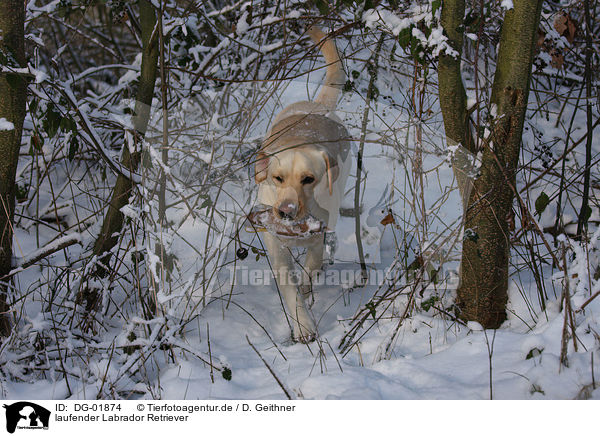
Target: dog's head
[294,174]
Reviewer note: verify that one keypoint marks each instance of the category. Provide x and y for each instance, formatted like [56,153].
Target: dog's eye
[278,178]
[307,180]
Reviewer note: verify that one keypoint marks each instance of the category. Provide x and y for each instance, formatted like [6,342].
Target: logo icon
[26,415]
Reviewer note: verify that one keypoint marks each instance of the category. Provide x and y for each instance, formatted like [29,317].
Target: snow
[213,293]
[507,4]
[242,24]
[6,125]
[432,357]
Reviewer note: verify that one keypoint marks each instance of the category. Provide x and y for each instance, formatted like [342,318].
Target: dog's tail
[335,76]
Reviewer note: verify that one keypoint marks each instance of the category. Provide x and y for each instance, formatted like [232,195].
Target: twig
[279,382]
[564,155]
[588,301]
[44,252]
[365,120]
[212,375]
[565,335]
[490,356]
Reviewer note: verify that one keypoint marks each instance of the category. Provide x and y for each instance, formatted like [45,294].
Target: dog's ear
[333,170]
[260,167]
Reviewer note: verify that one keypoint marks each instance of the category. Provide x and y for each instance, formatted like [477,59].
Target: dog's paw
[305,333]
[307,338]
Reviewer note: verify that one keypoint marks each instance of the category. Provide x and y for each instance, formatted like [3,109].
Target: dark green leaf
[534,352]
[368,5]
[587,214]
[371,306]
[428,304]
[51,121]
[541,202]
[536,388]
[404,37]
[322,6]
[33,105]
[226,373]
[22,192]
[206,203]
[68,124]
[73,147]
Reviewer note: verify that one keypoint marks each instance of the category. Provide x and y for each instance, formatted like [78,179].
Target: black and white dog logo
[26,415]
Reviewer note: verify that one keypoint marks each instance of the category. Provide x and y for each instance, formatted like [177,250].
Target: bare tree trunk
[453,99]
[483,289]
[113,221]
[13,93]
[589,51]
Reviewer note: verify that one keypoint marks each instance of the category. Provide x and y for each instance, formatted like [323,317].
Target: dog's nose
[287,211]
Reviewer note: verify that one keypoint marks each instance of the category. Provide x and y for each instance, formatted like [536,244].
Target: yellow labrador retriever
[301,171]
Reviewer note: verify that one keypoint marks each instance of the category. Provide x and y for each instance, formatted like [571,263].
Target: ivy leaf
[534,352]
[587,214]
[429,303]
[68,124]
[206,203]
[369,4]
[33,105]
[51,121]
[541,202]
[404,37]
[371,306]
[73,147]
[322,6]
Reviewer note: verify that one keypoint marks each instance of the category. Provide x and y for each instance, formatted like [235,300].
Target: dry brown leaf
[557,59]
[565,26]
[388,219]
[560,23]
[541,37]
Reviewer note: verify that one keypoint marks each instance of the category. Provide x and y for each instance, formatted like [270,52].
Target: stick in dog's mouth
[305,227]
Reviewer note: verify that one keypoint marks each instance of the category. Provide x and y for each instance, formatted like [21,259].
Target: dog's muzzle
[287,211]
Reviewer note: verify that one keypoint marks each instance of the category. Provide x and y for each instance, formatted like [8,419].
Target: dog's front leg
[282,264]
[312,265]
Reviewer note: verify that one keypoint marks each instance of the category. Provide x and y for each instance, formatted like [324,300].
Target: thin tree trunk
[453,99]
[113,221]
[483,289]
[13,94]
[584,211]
